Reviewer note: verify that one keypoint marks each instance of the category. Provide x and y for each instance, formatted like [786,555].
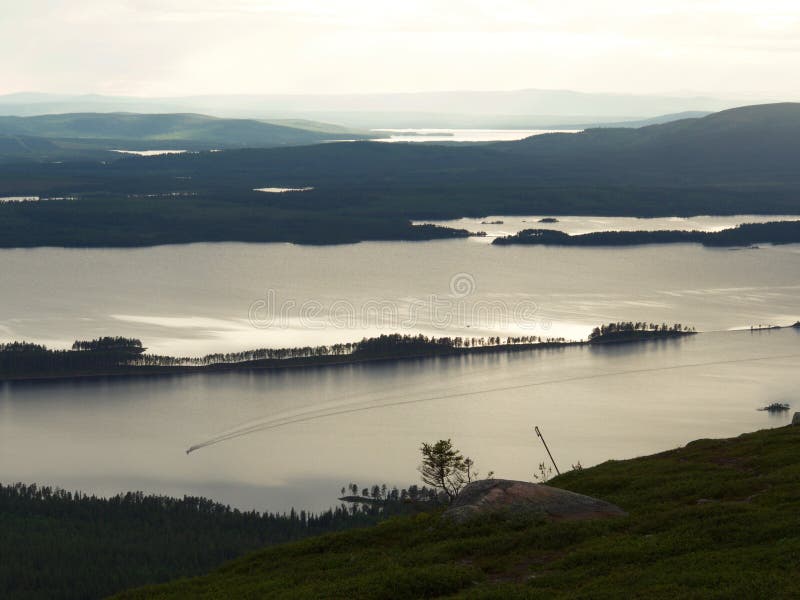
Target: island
[125,356]
[110,356]
[632,332]
[748,234]
[775,407]
[548,220]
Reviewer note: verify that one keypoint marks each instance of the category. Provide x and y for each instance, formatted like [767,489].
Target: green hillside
[716,519]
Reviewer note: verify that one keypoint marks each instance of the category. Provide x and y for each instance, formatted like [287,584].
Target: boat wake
[334,410]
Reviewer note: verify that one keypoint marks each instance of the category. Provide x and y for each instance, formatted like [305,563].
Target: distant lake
[282,190]
[499,225]
[462,135]
[150,152]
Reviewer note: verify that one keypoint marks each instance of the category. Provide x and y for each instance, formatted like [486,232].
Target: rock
[796,419]
[521,497]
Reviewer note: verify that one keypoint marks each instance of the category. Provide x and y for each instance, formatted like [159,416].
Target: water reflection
[593,404]
[196,299]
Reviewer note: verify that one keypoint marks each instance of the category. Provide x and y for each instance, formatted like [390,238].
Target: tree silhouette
[446,469]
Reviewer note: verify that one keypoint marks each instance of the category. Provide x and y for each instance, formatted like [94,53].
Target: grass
[715,519]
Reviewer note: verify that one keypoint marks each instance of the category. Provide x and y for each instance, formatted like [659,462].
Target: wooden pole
[541,437]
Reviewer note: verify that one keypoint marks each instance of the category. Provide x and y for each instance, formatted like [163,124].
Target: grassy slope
[716,519]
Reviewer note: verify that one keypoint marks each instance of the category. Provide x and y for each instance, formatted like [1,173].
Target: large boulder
[796,419]
[523,498]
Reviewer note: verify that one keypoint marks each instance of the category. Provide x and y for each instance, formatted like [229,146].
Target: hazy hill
[747,144]
[184,131]
[687,114]
[743,146]
[530,108]
[32,103]
[15,148]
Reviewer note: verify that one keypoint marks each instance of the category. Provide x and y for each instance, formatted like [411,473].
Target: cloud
[174,47]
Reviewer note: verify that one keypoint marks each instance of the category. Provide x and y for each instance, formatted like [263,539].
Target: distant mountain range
[738,146]
[494,109]
[93,136]
[752,143]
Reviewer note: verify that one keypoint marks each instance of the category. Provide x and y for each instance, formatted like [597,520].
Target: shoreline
[424,229]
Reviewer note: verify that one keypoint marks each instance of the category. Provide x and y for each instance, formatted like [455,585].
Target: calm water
[592,404]
[203,298]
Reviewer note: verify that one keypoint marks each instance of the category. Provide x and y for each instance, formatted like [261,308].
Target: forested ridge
[57,544]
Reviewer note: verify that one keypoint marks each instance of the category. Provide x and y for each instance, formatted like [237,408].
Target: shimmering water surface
[592,403]
[204,298]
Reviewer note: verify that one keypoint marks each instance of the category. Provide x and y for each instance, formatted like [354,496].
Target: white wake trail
[321,413]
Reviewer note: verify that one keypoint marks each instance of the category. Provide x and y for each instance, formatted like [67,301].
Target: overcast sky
[180,47]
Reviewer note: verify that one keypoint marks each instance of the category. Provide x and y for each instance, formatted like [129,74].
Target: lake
[462,135]
[196,299]
[592,404]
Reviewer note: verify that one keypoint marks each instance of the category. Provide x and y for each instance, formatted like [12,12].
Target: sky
[186,47]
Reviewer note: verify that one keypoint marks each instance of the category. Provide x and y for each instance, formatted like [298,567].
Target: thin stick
[539,433]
